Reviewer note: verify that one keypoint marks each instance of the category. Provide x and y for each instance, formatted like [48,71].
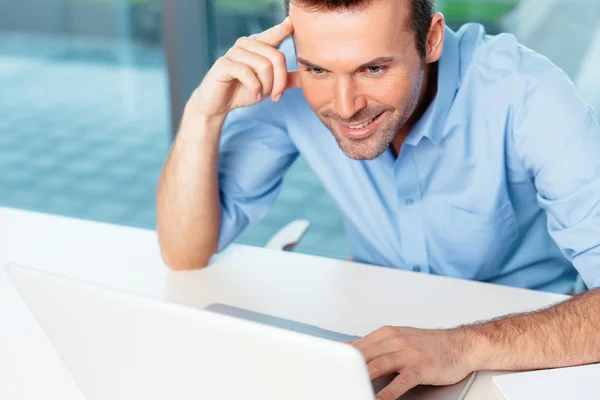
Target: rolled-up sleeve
[255,152]
[558,141]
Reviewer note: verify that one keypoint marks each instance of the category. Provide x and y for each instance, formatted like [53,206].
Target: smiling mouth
[361,130]
[362,125]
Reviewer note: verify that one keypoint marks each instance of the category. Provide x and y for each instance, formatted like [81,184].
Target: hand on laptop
[419,356]
[252,70]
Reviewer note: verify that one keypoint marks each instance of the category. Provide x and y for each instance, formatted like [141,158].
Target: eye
[318,72]
[375,69]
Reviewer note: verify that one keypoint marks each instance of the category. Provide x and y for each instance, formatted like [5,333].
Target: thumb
[293,81]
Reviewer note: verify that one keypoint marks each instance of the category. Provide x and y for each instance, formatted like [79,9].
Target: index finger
[276,34]
[374,337]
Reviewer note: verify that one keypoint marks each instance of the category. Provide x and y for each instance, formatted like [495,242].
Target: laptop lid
[122,346]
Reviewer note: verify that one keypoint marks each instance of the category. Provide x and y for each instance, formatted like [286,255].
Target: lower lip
[362,132]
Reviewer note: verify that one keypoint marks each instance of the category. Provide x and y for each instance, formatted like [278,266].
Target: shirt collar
[431,124]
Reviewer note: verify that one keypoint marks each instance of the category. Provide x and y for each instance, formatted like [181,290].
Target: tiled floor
[84,131]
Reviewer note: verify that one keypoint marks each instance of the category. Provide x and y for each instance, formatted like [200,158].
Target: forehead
[352,36]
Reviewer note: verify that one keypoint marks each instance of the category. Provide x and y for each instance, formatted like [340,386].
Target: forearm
[563,335]
[188,207]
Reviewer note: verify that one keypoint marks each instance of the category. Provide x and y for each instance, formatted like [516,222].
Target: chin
[365,149]
[360,156]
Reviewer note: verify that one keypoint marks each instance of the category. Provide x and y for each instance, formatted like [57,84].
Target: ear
[435,38]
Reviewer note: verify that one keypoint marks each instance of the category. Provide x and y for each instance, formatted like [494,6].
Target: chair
[289,236]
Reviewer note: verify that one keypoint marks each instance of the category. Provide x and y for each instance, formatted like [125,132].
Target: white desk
[333,294]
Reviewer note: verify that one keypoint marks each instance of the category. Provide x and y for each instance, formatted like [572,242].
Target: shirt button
[416,268]
[408,202]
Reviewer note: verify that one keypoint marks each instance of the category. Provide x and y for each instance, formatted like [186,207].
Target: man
[449,153]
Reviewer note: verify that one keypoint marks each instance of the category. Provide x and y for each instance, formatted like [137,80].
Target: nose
[347,99]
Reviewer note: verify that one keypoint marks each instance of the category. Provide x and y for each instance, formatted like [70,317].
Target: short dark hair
[421,12]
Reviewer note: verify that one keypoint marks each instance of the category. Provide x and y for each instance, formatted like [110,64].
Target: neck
[428,92]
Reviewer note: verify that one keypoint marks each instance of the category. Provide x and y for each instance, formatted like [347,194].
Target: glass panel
[565,31]
[236,18]
[83,108]
[490,13]
[83,101]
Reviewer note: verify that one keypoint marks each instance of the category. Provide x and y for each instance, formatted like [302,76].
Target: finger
[383,347]
[375,336]
[400,385]
[386,365]
[243,73]
[293,82]
[279,68]
[277,34]
[262,66]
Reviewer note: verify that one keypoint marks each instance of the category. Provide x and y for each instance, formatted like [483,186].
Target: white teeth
[361,125]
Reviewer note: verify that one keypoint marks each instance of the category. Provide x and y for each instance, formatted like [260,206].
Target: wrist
[198,107]
[475,346]
[199,127]
[192,115]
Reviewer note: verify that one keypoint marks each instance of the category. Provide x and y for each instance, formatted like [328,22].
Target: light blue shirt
[499,181]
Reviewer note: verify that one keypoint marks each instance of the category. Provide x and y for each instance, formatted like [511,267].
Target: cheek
[318,94]
[390,92]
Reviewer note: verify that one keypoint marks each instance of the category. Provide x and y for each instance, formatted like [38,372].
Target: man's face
[360,72]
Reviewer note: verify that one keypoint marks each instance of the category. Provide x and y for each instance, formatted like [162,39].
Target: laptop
[121,346]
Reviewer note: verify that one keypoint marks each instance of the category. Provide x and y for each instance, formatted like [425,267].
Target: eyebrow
[374,62]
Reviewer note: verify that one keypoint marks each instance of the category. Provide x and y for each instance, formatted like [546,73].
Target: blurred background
[90,91]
